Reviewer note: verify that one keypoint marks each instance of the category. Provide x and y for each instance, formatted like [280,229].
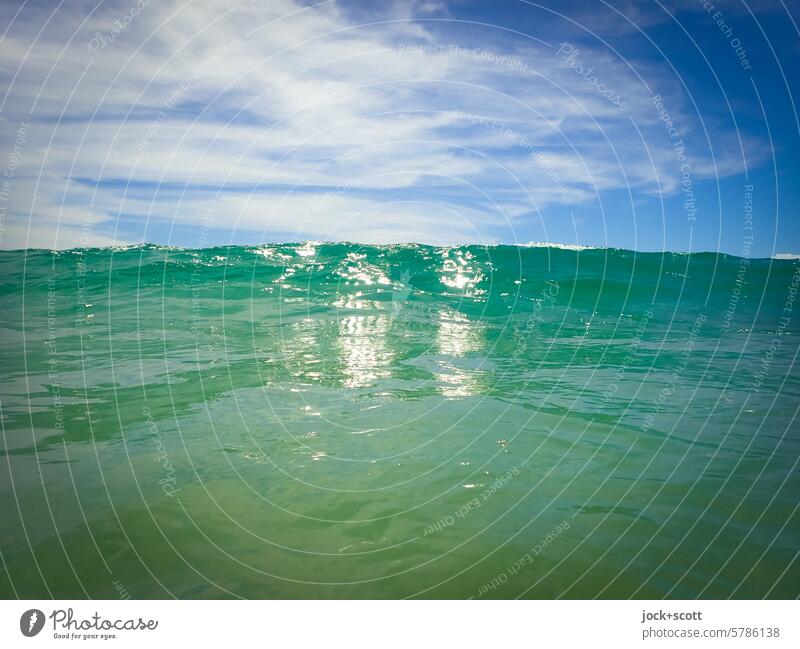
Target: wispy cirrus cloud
[290,120]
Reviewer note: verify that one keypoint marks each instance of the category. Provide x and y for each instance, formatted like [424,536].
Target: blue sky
[644,125]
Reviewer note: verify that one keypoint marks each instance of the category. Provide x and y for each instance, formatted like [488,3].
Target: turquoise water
[345,421]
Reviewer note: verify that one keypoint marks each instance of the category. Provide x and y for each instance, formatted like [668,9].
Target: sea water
[348,421]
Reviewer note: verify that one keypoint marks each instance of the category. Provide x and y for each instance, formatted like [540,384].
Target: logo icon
[31,622]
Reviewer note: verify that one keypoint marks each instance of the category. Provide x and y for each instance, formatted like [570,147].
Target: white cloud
[278,103]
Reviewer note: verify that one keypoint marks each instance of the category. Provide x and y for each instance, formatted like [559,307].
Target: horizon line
[318,242]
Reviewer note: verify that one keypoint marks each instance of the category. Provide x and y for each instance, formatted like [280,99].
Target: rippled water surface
[352,421]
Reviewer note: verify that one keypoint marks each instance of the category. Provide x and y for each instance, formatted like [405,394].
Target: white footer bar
[388,624]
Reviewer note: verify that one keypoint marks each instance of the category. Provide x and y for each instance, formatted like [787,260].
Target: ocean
[350,421]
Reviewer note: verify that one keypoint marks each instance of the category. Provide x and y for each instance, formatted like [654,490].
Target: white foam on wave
[560,246]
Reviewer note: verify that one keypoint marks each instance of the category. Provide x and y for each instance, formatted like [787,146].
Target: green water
[344,421]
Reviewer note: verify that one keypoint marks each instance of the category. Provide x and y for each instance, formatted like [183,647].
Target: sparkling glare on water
[334,420]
